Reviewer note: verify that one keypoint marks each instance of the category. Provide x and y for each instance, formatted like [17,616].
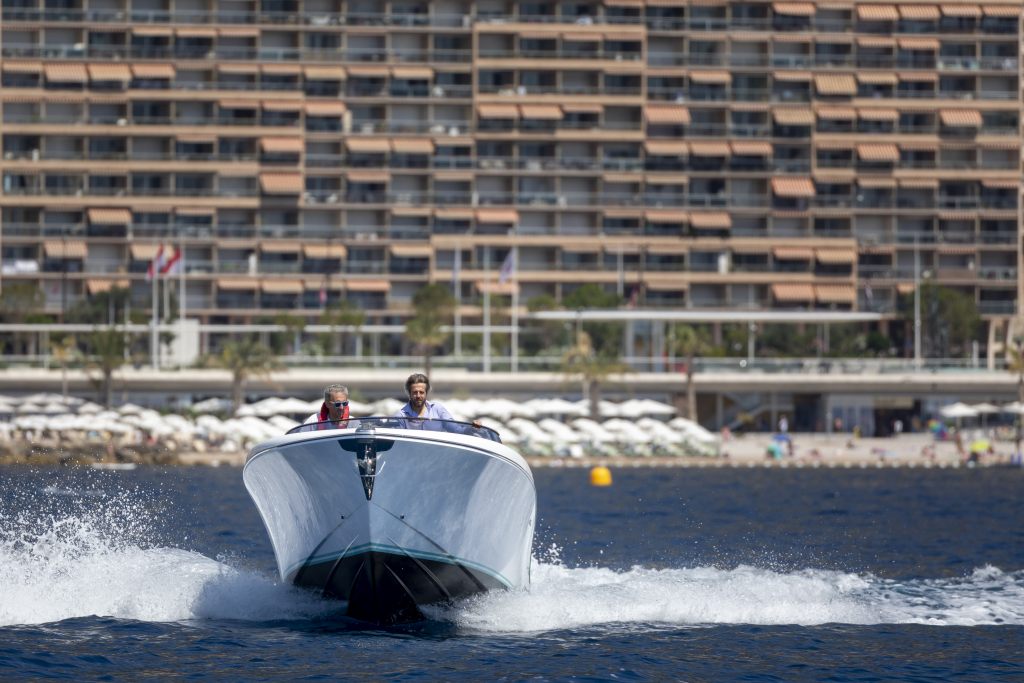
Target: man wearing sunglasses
[333,412]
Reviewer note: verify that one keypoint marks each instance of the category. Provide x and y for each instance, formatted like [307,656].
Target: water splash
[564,598]
[101,562]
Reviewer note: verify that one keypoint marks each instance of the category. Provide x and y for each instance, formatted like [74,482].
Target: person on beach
[418,412]
[333,413]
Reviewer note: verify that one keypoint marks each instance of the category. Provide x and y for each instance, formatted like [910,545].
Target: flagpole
[515,309]
[152,322]
[456,274]
[181,277]
[487,309]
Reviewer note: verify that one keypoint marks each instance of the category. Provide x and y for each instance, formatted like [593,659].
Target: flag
[173,264]
[156,265]
[869,294]
[508,267]
[634,297]
[323,294]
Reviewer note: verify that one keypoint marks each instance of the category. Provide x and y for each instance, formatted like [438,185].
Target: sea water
[844,575]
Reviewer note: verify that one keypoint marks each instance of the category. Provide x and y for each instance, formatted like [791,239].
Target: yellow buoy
[600,476]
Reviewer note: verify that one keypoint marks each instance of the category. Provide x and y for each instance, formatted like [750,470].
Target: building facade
[692,154]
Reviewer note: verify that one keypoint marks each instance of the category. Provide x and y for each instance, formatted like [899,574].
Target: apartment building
[711,154]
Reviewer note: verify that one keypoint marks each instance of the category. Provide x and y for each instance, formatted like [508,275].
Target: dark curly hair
[416,378]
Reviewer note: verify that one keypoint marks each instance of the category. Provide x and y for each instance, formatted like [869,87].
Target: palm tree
[435,309]
[107,346]
[689,342]
[1015,363]
[244,359]
[591,368]
[63,351]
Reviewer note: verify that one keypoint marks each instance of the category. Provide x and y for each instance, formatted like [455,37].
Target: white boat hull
[438,516]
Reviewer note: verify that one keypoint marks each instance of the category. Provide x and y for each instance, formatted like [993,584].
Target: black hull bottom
[388,588]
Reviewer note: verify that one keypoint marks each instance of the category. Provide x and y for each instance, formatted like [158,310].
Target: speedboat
[392,514]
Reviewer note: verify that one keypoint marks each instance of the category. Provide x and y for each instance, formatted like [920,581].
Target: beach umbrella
[652,407]
[129,409]
[90,408]
[1015,408]
[985,409]
[957,410]
[212,405]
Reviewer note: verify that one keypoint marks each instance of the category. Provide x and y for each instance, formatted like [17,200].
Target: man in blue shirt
[421,413]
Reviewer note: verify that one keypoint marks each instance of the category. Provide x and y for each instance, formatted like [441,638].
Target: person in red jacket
[333,412]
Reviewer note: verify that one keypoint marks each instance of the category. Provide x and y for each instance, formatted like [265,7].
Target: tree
[606,337]
[544,335]
[949,320]
[106,346]
[293,328]
[591,367]
[344,313]
[1015,363]
[689,342]
[19,301]
[244,359]
[63,352]
[435,308]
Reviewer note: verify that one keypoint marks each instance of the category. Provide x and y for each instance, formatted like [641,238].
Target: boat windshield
[430,425]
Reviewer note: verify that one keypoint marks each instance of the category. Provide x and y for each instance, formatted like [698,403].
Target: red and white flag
[156,265]
[173,263]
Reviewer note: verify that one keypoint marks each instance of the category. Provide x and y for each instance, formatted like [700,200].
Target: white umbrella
[958,410]
[89,408]
[129,408]
[1015,408]
[212,405]
[294,406]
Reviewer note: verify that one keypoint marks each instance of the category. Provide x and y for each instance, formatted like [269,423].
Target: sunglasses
[339,404]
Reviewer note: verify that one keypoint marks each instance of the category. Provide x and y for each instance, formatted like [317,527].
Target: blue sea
[668,574]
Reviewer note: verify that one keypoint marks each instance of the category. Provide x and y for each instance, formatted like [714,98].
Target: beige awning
[666,179]
[324,251]
[919,76]
[412,73]
[876,183]
[230,68]
[64,249]
[368,145]
[877,78]
[237,283]
[835,256]
[835,84]
[878,114]
[582,108]
[793,117]
[367,175]
[195,211]
[281,183]
[281,69]
[412,146]
[239,104]
[110,216]
[794,9]
[497,111]
[709,149]
[497,216]
[711,77]
[835,294]
[281,145]
[282,105]
[666,216]
[65,73]
[876,41]
[282,286]
[793,187]
[239,32]
[671,114]
[411,250]
[793,253]
[546,112]
[1001,183]
[792,76]
[793,292]
[1006,11]
[368,285]
[962,10]
[751,148]
[17,67]
[325,73]
[960,118]
[143,251]
[666,148]
[877,13]
[110,72]
[929,44]
[153,31]
[957,250]
[837,113]
[195,32]
[710,220]
[277,247]
[920,183]
[153,71]
[878,152]
[328,108]
[919,12]
[669,249]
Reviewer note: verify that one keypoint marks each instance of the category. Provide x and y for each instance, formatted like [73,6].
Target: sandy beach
[749,450]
